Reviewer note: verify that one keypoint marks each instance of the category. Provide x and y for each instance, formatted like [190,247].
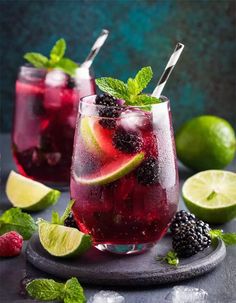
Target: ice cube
[132,119]
[183,294]
[55,78]
[107,297]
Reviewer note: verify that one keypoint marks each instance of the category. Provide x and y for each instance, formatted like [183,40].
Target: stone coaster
[102,268]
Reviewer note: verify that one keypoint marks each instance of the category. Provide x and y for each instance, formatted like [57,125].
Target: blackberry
[147,172]
[70,82]
[189,234]
[110,109]
[181,218]
[128,142]
[70,221]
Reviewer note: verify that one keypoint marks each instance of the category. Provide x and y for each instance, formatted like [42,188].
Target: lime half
[211,195]
[63,241]
[30,195]
[113,170]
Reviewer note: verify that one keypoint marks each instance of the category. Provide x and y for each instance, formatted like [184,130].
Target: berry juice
[44,122]
[124,175]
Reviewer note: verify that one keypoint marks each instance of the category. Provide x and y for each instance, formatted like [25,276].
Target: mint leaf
[67,211]
[145,99]
[171,258]
[45,289]
[130,92]
[114,87]
[55,217]
[67,65]
[15,219]
[133,87]
[143,77]
[73,292]
[57,51]
[228,238]
[37,60]
[49,290]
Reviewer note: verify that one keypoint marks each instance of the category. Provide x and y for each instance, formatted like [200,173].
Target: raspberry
[147,172]
[189,234]
[70,221]
[10,244]
[128,142]
[109,109]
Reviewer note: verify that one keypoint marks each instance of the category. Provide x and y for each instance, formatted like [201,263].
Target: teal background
[141,33]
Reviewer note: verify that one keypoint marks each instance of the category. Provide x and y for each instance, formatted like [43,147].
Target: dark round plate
[101,268]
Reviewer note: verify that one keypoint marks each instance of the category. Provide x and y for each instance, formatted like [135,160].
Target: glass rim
[82,100]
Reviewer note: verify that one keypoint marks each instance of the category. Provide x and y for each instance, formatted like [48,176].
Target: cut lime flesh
[30,195]
[62,241]
[97,139]
[211,195]
[112,171]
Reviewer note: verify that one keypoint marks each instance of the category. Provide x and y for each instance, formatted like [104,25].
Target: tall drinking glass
[124,197]
[46,107]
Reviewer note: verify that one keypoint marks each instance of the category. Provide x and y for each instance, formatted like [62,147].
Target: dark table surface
[220,283]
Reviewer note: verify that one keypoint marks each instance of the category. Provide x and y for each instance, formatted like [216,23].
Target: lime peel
[63,241]
[28,194]
[113,171]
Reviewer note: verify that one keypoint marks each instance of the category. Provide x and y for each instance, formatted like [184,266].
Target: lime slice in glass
[30,195]
[63,241]
[113,170]
[211,195]
[97,139]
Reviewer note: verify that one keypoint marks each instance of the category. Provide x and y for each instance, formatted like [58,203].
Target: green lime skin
[50,199]
[212,215]
[206,142]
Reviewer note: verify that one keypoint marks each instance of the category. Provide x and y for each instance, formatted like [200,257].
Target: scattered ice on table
[107,297]
[183,294]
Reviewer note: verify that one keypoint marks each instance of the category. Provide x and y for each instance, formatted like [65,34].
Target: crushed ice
[107,297]
[183,294]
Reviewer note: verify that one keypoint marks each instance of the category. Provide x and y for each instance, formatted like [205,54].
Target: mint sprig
[130,91]
[228,238]
[55,60]
[56,219]
[171,258]
[15,219]
[50,290]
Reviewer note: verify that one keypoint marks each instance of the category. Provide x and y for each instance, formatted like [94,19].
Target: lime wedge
[97,139]
[30,195]
[211,195]
[113,170]
[63,241]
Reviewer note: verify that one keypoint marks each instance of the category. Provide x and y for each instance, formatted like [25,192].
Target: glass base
[125,249]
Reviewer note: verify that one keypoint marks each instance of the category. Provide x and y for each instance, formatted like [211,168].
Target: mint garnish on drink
[50,290]
[56,59]
[131,91]
[15,219]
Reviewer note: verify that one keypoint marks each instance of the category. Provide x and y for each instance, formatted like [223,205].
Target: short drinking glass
[124,176]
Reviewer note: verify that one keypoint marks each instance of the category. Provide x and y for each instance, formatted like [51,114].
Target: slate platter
[102,268]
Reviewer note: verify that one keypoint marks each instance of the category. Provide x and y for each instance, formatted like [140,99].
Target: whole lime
[206,142]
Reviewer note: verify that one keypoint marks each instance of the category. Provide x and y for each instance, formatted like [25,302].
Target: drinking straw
[169,67]
[95,49]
